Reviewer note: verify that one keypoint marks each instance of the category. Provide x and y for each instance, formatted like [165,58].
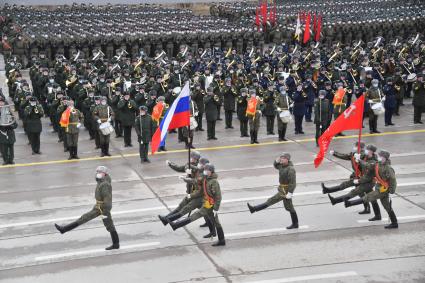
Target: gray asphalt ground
[333,244]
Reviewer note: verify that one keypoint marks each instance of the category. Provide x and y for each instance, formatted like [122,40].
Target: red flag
[257,17]
[264,12]
[318,28]
[307,29]
[350,119]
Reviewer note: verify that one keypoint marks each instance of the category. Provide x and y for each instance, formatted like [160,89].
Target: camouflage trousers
[383,197]
[361,190]
[287,203]
[207,213]
[188,204]
[92,214]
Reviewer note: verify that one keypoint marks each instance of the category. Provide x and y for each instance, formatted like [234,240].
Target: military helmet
[102,169]
[371,147]
[209,167]
[385,154]
[203,160]
[195,154]
[285,155]
[362,144]
[143,107]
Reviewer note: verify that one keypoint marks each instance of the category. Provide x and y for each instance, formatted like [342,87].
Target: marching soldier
[127,108]
[286,188]
[33,114]
[145,128]
[210,207]
[355,175]
[321,114]
[364,183]
[418,99]
[386,184]
[103,113]
[103,207]
[72,129]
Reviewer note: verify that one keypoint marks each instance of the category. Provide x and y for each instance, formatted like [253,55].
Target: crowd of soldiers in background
[285,77]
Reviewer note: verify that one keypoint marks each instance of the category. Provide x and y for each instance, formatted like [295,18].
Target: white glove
[109,119]
[103,216]
[78,125]
[182,177]
[259,112]
[188,196]
[357,156]
[98,121]
[356,181]
[331,152]
[188,171]
[167,162]
[288,196]
[141,142]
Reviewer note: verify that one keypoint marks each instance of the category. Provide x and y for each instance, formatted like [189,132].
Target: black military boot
[284,134]
[328,190]
[102,150]
[66,228]
[115,241]
[393,218]
[252,137]
[71,152]
[205,224]
[181,223]
[349,203]
[221,241]
[294,224]
[256,208]
[212,232]
[366,209]
[335,200]
[376,210]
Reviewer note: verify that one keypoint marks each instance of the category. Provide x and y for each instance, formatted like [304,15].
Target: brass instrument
[129,105]
[353,75]
[229,51]
[36,109]
[72,80]
[216,98]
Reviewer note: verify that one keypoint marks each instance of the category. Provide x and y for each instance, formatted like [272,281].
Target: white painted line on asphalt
[20,224]
[409,217]
[309,277]
[266,231]
[96,251]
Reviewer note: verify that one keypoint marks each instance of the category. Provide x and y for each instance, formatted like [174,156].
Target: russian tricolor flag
[177,116]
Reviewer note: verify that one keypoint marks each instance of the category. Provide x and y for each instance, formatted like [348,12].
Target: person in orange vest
[339,102]
[211,204]
[253,112]
[386,184]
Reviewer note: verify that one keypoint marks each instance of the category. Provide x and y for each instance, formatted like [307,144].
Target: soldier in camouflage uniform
[286,188]
[210,206]
[386,184]
[103,207]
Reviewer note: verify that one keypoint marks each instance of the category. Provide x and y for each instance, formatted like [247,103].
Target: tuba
[6,116]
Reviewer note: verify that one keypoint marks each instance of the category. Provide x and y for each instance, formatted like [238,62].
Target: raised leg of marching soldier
[281,128]
[185,206]
[102,208]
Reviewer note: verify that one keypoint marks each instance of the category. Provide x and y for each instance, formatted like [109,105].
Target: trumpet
[216,98]
[129,105]
[36,109]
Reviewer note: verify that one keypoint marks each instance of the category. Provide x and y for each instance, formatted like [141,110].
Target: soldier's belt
[74,123]
[282,188]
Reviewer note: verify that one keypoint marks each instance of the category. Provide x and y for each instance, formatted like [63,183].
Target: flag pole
[188,127]
[360,132]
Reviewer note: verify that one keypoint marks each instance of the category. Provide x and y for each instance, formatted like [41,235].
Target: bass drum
[285,116]
[378,108]
[193,123]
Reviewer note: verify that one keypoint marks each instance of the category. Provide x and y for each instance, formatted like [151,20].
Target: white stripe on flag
[169,115]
